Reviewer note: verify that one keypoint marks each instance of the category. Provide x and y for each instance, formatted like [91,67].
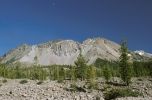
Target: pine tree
[73,76]
[125,67]
[81,65]
[92,77]
[149,65]
[61,74]
[3,70]
[107,73]
[17,71]
[56,72]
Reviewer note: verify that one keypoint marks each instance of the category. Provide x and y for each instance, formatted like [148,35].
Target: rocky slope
[52,90]
[66,52]
[48,90]
[63,52]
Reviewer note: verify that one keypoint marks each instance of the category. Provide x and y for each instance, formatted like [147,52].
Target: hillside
[65,52]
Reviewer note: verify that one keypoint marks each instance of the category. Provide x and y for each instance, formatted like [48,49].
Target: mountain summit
[64,52]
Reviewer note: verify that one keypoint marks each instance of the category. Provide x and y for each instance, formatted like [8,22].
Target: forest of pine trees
[81,71]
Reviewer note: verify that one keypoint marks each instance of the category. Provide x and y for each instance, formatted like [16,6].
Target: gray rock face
[141,55]
[64,52]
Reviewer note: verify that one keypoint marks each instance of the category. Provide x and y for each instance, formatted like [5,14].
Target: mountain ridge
[64,52]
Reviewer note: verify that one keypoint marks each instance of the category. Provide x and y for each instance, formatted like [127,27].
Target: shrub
[60,81]
[125,66]
[4,81]
[39,83]
[97,98]
[75,88]
[107,73]
[38,73]
[81,65]
[115,93]
[23,81]
[91,74]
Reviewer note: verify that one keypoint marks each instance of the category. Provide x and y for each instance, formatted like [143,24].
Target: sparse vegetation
[88,74]
[115,93]
[39,83]
[92,77]
[125,67]
[105,69]
[75,88]
[106,73]
[82,67]
[23,81]
[4,81]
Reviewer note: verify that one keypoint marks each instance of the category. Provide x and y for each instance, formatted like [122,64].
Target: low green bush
[23,81]
[39,83]
[115,93]
[97,98]
[4,81]
[77,89]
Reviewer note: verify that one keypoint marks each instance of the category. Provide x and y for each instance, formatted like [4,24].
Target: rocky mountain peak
[64,52]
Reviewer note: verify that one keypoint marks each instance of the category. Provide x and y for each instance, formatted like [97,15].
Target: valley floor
[13,89]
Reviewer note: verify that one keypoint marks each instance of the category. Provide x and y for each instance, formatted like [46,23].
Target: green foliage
[38,73]
[149,67]
[142,68]
[100,62]
[75,88]
[39,83]
[23,81]
[18,73]
[82,66]
[92,77]
[125,67]
[97,98]
[57,72]
[3,70]
[101,68]
[4,81]
[73,76]
[61,74]
[139,69]
[113,67]
[115,93]
[107,73]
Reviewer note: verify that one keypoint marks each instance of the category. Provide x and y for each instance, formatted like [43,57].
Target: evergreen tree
[56,72]
[139,69]
[149,65]
[73,76]
[3,70]
[92,77]
[61,74]
[107,73]
[18,72]
[81,65]
[125,68]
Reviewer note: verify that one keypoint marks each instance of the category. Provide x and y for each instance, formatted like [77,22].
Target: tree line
[123,68]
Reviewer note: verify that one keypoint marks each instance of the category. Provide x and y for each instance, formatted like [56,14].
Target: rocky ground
[12,89]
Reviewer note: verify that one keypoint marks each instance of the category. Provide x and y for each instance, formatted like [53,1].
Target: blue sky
[36,21]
